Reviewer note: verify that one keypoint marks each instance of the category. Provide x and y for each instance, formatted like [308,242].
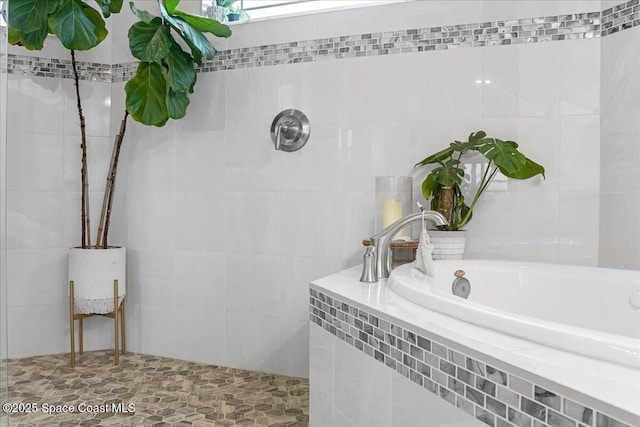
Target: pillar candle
[391,212]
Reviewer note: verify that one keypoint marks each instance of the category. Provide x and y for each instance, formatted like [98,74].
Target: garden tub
[594,312]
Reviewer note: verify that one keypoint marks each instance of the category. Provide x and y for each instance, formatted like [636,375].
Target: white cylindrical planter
[448,244]
[93,272]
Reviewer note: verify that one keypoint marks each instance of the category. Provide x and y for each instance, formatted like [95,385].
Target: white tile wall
[620,151]
[338,372]
[220,225]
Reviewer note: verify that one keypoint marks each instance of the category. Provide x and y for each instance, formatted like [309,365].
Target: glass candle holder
[393,200]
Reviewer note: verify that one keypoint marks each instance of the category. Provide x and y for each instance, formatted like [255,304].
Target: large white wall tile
[44,284]
[254,223]
[199,222]
[36,162]
[376,89]
[580,76]
[580,153]
[200,159]
[200,278]
[620,152]
[200,336]
[96,106]
[538,79]
[150,278]
[252,162]
[500,94]
[251,342]
[444,86]
[254,97]
[31,97]
[151,221]
[207,105]
[38,219]
[362,387]
[620,86]
[579,218]
[620,230]
[51,322]
[150,154]
[254,284]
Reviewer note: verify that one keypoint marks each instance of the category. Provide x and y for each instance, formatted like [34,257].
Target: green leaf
[197,41]
[34,40]
[503,153]
[171,5]
[149,42]
[529,170]
[78,26]
[438,157]
[429,186]
[109,6]
[142,15]
[205,25]
[177,103]
[28,15]
[146,95]
[13,36]
[449,174]
[180,73]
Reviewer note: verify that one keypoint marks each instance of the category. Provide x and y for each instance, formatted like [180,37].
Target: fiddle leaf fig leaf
[109,6]
[33,40]
[180,73]
[177,103]
[146,95]
[503,153]
[142,15]
[205,25]
[149,42]
[77,25]
[28,15]
[194,38]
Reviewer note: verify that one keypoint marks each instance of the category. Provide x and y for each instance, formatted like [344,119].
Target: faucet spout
[382,241]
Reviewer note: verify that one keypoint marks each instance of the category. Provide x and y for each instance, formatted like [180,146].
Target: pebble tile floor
[165,392]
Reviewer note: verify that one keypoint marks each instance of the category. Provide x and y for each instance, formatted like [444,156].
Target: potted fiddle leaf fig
[158,91]
[443,185]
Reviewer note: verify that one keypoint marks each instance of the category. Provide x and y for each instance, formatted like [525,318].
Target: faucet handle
[369,273]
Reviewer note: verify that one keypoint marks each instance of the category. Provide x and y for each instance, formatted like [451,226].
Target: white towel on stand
[424,259]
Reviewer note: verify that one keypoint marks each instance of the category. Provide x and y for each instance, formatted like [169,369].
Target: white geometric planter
[448,244]
[93,272]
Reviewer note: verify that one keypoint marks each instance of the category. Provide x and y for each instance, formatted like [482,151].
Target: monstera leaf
[504,154]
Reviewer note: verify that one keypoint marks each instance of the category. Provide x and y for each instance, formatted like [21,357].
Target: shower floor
[163,392]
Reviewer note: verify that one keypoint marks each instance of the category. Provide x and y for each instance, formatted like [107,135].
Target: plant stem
[86,221]
[107,201]
[484,183]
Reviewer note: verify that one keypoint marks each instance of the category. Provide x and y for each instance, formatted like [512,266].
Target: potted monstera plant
[158,91]
[443,185]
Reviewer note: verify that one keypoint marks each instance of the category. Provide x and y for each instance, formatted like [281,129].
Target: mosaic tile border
[620,17]
[492,33]
[493,396]
[58,68]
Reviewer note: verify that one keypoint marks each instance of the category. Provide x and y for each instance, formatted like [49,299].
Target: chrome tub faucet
[377,258]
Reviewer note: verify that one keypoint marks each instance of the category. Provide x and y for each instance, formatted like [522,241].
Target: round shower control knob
[290,130]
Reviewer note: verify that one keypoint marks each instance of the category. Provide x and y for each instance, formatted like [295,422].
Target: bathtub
[594,312]
[534,345]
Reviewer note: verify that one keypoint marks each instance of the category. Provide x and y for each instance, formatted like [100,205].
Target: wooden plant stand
[117,309]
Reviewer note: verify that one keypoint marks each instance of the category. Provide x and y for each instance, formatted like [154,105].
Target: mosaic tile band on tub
[468,35]
[492,395]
